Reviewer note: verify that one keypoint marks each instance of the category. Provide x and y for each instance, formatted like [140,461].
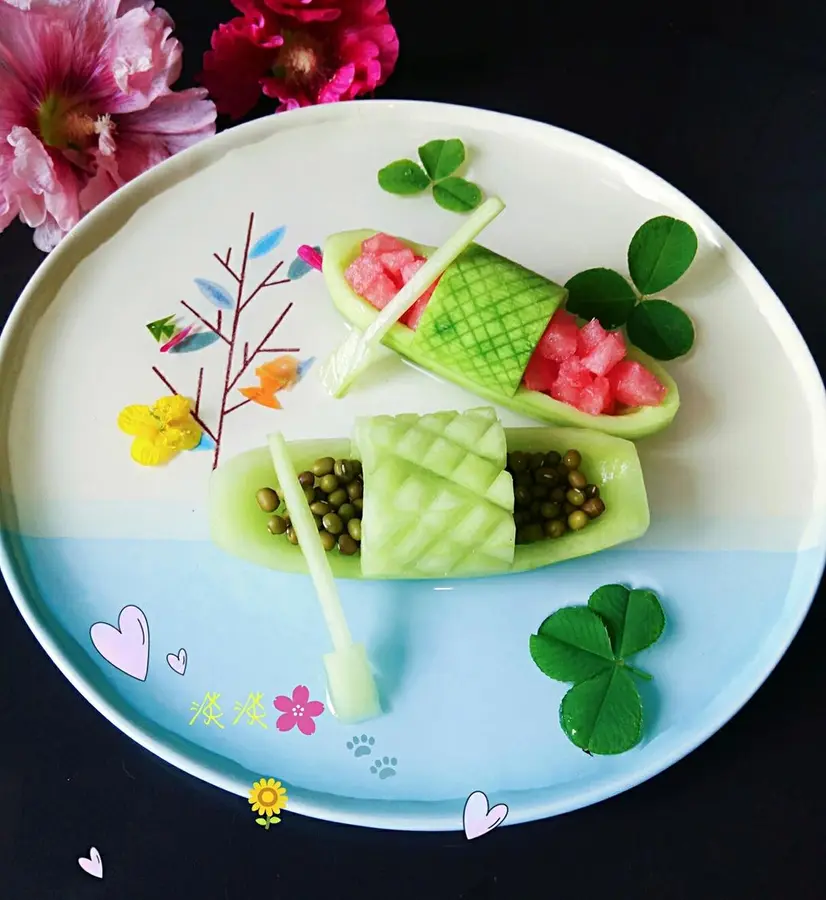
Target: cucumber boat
[442,494]
[479,328]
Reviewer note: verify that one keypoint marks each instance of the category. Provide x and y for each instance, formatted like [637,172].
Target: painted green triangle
[162,329]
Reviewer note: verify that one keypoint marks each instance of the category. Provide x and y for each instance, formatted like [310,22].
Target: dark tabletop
[730,107]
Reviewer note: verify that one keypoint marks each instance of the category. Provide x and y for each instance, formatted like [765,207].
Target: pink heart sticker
[177,661]
[127,646]
[479,819]
[93,865]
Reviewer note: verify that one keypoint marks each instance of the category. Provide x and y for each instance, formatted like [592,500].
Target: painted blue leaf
[216,294]
[269,242]
[196,341]
[299,268]
[303,367]
[206,443]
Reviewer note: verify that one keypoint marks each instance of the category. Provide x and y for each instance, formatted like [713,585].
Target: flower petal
[314,708]
[282,703]
[147,452]
[306,725]
[167,409]
[145,60]
[301,695]
[137,420]
[286,722]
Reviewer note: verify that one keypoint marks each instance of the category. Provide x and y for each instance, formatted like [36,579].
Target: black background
[729,106]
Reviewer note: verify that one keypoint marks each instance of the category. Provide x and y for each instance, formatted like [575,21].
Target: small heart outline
[93,865]
[479,818]
[177,661]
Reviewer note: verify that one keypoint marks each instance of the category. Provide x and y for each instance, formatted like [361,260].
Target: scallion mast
[350,684]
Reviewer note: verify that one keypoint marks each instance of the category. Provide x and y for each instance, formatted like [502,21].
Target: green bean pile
[551,495]
[334,489]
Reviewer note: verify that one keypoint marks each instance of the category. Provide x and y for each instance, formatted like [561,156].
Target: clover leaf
[660,253]
[403,177]
[660,329]
[441,160]
[588,646]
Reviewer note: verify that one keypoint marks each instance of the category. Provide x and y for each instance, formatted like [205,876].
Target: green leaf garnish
[634,619]
[403,177]
[588,646]
[572,645]
[660,329]
[456,194]
[601,294]
[261,822]
[442,158]
[660,252]
[604,714]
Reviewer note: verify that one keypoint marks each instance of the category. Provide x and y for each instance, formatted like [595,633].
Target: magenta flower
[299,52]
[86,106]
[297,710]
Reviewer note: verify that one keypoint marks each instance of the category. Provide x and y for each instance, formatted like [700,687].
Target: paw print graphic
[361,746]
[385,767]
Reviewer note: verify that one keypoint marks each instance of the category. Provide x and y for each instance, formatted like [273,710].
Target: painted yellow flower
[268,796]
[160,431]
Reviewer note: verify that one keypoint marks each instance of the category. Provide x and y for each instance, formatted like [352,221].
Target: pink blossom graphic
[297,710]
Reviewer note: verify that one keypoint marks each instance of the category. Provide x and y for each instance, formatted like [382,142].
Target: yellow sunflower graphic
[268,797]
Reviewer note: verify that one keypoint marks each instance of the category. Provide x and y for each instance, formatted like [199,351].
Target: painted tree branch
[231,377]
[214,329]
[257,350]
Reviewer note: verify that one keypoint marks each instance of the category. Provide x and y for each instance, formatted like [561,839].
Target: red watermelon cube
[381,291]
[395,260]
[633,385]
[382,243]
[571,381]
[409,269]
[590,336]
[607,353]
[541,373]
[559,342]
[362,272]
[595,398]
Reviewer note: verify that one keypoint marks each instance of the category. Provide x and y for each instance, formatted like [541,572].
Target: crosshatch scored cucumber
[440,500]
[486,317]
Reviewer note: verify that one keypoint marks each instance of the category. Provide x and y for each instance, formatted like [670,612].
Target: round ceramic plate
[206,642]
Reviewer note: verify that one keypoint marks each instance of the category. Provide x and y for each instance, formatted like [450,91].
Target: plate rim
[369,813]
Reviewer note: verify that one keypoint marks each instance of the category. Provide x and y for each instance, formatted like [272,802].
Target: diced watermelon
[634,385]
[410,269]
[572,371]
[412,316]
[380,291]
[540,374]
[558,343]
[590,336]
[362,272]
[571,381]
[395,260]
[594,398]
[562,317]
[607,353]
[382,243]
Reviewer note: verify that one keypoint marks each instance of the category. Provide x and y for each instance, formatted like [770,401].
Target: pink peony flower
[86,105]
[300,52]
[298,710]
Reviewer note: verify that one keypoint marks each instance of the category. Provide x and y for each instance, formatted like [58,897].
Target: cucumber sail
[479,330]
[438,500]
